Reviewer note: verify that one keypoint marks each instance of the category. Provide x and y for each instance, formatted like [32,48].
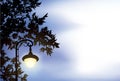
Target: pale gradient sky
[89,35]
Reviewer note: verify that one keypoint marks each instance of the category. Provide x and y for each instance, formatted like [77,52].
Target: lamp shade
[30,59]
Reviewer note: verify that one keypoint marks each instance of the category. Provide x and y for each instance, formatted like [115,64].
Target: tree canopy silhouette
[18,22]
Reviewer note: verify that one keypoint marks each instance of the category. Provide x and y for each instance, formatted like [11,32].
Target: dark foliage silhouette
[18,22]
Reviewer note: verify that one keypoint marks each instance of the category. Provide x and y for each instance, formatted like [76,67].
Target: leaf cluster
[7,70]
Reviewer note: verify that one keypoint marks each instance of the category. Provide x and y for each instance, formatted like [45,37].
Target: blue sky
[89,35]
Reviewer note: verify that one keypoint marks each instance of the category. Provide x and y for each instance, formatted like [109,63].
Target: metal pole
[16,63]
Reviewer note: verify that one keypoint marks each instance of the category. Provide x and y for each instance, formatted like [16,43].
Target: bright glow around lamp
[30,59]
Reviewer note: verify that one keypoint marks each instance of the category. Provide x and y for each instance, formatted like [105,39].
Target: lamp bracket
[26,43]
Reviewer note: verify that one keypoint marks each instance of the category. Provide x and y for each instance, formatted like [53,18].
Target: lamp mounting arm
[25,41]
